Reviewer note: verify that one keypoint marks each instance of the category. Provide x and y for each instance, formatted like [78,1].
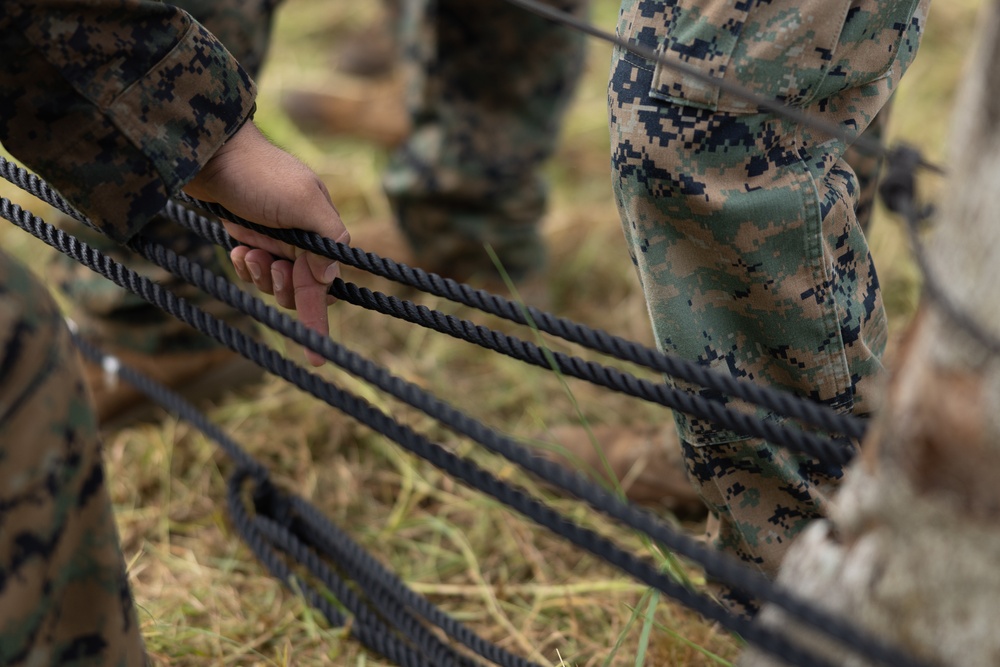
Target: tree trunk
[912,553]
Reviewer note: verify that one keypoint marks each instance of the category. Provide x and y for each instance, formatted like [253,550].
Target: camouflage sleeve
[118,103]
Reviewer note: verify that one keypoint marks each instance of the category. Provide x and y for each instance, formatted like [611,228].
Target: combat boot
[374,112]
[370,53]
[373,51]
[646,464]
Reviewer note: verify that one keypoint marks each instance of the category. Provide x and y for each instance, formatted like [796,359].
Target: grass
[205,601]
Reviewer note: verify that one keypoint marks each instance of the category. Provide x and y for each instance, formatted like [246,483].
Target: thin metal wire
[864,144]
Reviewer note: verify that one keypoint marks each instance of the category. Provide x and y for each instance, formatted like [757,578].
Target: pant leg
[759,498]
[104,311]
[743,229]
[868,167]
[64,596]
[489,84]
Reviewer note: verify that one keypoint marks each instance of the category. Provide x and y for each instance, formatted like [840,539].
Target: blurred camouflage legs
[488,88]
[64,597]
[374,112]
[373,51]
[115,135]
[759,497]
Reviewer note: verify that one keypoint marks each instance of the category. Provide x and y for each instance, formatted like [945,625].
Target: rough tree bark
[912,553]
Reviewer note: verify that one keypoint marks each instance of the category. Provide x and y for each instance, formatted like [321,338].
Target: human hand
[258,181]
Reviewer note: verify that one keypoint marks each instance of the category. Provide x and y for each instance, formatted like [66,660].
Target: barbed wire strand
[898,191]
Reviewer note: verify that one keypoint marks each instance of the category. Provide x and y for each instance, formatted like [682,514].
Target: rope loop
[269,538]
[269,502]
[284,527]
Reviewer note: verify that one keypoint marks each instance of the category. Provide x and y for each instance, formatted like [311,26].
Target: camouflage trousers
[743,227]
[64,596]
[488,87]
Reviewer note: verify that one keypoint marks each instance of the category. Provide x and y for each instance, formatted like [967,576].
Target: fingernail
[330,273]
[278,280]
[241,270]
[254,269]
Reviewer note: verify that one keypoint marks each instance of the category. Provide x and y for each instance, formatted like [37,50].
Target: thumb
[323,269]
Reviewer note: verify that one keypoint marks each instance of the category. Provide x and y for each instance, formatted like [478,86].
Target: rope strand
[784,403]
[715,563]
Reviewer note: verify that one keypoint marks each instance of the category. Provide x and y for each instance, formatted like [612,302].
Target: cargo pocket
[775,50]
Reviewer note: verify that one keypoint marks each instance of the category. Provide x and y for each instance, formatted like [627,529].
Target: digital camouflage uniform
[742,225]
[117,103]
[63,589]
[116,317]
[488,86]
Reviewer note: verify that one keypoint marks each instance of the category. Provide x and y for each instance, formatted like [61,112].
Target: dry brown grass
[205,601]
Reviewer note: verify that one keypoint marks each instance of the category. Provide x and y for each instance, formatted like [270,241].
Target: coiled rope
[716,564]
[287,524]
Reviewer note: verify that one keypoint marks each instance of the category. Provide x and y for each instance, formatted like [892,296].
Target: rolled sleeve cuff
[177,116]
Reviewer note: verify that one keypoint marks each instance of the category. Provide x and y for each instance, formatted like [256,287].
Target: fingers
[260,182]
[324,269]
[284,290]
[256,266]
[310,301]
[293,284]
[238,257]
